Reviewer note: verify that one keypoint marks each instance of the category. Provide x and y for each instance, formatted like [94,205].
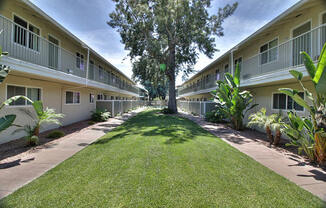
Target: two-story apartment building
[49,63]
[266,57]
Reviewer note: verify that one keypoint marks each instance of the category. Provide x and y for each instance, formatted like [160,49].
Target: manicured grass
[160,161]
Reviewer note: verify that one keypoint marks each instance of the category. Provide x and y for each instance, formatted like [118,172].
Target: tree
[168,35]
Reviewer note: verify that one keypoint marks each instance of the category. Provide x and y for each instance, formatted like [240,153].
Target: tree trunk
[269,134]
[277,137]
[172,104]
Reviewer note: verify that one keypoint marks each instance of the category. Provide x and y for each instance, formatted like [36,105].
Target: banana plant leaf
[321,66]
[6,122]
[309,64]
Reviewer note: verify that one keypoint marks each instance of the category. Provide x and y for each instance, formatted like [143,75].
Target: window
[284,102]
[32,93]
[72,97]
[91,98]
[20,35]
[26,34]
[80,61]
[269,52]
[112,97]
[100,97]
[279,101]
[91,70]
[238,61]
[101,72]
[217,74]
[226,68]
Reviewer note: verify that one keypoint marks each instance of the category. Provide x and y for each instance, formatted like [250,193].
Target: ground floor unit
[75,101]
[266,95]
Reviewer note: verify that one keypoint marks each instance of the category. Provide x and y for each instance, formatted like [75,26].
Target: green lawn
[160,161]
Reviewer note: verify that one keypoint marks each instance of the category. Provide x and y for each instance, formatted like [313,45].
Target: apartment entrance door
[53,52]
[301,42]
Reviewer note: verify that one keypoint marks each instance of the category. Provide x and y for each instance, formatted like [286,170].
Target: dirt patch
[18,147]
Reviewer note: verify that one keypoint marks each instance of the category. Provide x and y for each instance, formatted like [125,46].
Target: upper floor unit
[267,55]
[33,40]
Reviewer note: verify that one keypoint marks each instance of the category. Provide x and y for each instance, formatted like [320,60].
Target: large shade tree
[168,33]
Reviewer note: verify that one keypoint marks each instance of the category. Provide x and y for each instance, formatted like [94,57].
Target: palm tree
[43,116]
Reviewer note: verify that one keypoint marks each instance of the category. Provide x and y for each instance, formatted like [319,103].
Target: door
[53,52]
[301,42]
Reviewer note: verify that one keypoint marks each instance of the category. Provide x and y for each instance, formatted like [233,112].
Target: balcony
[275,63]
[23,44]
[206,83]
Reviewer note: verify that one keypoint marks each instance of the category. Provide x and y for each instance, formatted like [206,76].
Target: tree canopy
[169,32]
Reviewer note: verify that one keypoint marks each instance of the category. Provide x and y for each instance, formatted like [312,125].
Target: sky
[87,20]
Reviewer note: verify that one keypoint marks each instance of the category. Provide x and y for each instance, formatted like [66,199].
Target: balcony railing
[282,57]
[286,55]
[206,83]
[23,44]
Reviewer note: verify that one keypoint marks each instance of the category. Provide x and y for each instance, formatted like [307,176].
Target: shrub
[167,111]
[32,141]
[55,134]
[91,122]
[215,117]
[231,101]
[100,115]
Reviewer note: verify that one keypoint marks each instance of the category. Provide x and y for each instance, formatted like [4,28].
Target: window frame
[81,60]
[27,33]
[72,97]
[26,87]
[268,50]
[286,103]
[92,99]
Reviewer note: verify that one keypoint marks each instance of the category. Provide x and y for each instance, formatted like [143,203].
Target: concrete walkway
[32,166]
[286,164]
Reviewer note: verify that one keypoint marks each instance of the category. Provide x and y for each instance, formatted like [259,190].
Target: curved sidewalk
[32,166]
[286,164]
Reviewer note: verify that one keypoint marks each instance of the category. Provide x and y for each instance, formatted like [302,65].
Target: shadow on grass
[174,129]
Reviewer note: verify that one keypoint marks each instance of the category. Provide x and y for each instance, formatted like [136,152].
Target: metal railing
[282,57]
[23,44]
[199,108]
[286,55]
[206,83]
[116,107]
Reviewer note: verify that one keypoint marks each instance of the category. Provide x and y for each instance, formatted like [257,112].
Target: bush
[32,141]
[100,115]
[91,122]
[215,117]
[55,135]
[167,111]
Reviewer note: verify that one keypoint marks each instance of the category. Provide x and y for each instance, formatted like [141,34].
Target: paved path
[285,164]
[32,166]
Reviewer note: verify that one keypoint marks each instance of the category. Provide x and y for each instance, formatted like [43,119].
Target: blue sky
[87,20]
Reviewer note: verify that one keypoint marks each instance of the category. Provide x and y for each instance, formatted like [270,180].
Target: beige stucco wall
[311,11]
[53,96]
